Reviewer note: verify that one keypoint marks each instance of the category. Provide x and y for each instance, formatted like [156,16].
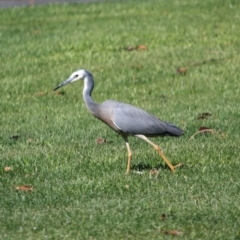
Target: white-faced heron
[125,119]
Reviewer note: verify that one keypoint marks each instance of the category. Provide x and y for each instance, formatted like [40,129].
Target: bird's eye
[76,76]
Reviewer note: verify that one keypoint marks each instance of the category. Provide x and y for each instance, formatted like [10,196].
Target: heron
[125,119]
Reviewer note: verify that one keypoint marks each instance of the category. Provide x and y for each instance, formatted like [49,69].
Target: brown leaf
[165,13]
[129,48]
[101,140]
[204,115]
[7,169]
[201,129]
[141,47]
[40,93]
[37,32]
[182,70]
[172,232]
[138,67]
[30,140]
[138,47]
[223,135]
[25,188]
[153,172]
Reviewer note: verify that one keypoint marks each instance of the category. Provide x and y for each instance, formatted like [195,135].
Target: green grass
[81,190]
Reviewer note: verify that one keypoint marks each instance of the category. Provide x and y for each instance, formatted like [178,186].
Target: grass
[80,189]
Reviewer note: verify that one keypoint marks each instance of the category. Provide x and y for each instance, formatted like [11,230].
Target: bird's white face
[75,76]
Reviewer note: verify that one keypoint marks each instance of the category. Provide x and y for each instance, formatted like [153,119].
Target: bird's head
[75,76]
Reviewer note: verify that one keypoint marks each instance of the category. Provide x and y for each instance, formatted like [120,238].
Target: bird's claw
[178,165]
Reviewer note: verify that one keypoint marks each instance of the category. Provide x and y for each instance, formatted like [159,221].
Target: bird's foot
[176,166]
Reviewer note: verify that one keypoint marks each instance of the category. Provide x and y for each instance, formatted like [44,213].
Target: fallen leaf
[127,186]
[182,70]
[7,169]
[30,140]
[15,137]
[204,115]
[25,188]
[201,129]
[129,48]
[141,47]
[165,13]
[40,93]
[223,134]
[101,140]
[37,32]
[138,47]
[172,232]
[138,67]
[154,172]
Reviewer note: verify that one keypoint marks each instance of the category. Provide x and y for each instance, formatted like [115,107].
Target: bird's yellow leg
[157,148]
[129,157]
[129,154]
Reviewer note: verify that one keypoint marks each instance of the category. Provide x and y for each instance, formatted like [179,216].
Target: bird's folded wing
[133,120]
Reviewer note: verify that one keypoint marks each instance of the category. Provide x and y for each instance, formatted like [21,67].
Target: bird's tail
[174,130]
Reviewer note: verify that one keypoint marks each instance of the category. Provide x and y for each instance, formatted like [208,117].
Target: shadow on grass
[143,166]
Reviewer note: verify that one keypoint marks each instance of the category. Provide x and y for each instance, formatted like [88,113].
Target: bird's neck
[87,93]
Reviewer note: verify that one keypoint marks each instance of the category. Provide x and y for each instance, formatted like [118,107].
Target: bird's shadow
[143,166]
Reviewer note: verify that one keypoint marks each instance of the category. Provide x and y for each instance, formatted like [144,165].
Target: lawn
[178,60]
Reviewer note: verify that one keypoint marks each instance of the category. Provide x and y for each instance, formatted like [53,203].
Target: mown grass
[80,189]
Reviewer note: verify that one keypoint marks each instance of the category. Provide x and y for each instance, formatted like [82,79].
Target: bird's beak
[69,80]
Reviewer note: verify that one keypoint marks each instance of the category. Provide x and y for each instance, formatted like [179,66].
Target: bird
[125,119]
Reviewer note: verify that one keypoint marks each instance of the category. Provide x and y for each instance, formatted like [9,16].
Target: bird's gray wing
[132,120]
